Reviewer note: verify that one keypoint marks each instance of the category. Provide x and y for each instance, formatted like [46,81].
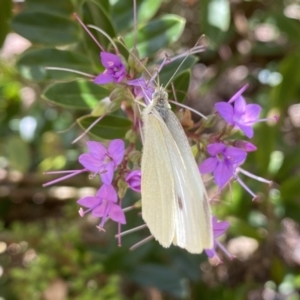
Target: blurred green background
[46,251]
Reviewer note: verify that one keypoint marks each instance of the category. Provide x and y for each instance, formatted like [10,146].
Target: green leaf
[157,34]
[62,7]
[110,127]
[290,188]
[122,12]
[219,14]
[18,153]
[32,64]
[95,13]
[263,156]
[162,278]
[283,94]
[181,85]
[5,14]
[289,26]
[214,24]
[79,94]
[45,28]
[169,70]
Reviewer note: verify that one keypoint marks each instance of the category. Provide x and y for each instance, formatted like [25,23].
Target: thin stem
[149,238]
[70,70]
[64,177]
[131,230]
[254,176]
[106,35]
[246,187]
[87,130]
[189,108]
[60,172]
[88,31]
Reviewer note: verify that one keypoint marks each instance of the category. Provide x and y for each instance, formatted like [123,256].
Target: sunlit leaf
[110,127]
[79,94]
[122,12]
[157,34]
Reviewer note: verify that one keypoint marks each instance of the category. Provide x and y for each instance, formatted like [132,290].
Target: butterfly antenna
[190,52]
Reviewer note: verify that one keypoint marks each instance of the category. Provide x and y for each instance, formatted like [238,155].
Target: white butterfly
[174,201]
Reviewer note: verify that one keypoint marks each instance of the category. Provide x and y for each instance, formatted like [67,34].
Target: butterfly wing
[157,185]
[193,228]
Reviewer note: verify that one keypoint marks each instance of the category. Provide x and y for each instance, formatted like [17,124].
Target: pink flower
[133,180]
[115,70]
[103,161]
[244,145]
[103,205]
[223,162]
[241,114]
[219,228]
[142,89]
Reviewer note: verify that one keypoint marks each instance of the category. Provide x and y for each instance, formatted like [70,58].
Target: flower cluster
[227,156]
[224,161]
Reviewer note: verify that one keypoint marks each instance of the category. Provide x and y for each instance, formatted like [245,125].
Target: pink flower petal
[108,173]
[225,110]
[223,173]
[248,130]
[90,163]
[208,165]
[103,78]
[238,93]
[239,106]
[251,114]
[133,179]
[235,155]
[116,150]
[211,252]
[244,145]
[116,213]
[96,149]
[219,227]
[99,211]
[108,193]
[89,201]
[215,148]
[109,60]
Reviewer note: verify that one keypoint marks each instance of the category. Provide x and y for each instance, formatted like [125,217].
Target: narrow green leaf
[181,85]
[283,94]
[263,157]
[110,127]
[157,34]
[79,94]
[32,64]
[5,14]
[45,28]
[122,12]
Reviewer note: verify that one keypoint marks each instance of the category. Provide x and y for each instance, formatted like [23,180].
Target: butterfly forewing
[157,186]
